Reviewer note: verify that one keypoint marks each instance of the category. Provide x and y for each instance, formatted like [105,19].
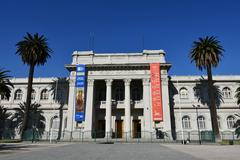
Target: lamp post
[199,134]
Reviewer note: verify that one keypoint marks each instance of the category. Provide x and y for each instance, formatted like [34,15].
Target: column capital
[146,81]
[108,82]
[127,81]
[72,82]
[90,82]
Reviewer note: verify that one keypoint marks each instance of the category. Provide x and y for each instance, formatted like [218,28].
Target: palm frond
[206,51]
[5,84]
[237,95]
[33,49]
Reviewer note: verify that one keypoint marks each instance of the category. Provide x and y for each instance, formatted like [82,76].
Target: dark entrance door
[136,129]
[119,128]
[100,132]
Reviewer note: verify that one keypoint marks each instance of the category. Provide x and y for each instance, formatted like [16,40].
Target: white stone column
[108,117]
[71,103]
[147,109]
[165,103]
[127,103]
[89,108]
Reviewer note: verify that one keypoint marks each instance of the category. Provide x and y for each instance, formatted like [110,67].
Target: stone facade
[118,97]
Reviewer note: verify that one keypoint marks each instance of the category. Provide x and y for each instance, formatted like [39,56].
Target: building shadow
[59,90]
[172,91]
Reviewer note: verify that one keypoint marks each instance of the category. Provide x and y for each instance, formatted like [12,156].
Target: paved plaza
[117,151]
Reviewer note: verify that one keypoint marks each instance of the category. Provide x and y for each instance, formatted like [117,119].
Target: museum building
[126,95]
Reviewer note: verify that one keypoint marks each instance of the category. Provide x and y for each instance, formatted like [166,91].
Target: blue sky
[119,26]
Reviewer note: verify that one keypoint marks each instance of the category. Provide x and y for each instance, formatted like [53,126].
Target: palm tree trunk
[60,122]
[212,106]
[28,100]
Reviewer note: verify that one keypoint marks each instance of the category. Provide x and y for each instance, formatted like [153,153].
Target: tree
[55,90]
[201,91]
[207,53]
[34,51]
[36,118]
[237,124]
[238,95]
[4,115]
[5,84]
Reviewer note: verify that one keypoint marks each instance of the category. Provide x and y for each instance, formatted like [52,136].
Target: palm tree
[34,51]
[207,53]
[55,91]
[5,84]
[238,95]
[36,118]
[237,124]
[4,115]
[201,90]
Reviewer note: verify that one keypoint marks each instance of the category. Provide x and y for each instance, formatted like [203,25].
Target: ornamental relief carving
[119,72]
[127,81]
[90,82]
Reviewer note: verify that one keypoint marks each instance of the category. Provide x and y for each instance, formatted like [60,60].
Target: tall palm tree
[34,51]
[5,84]
[207,53]
[36,118]
[238,95]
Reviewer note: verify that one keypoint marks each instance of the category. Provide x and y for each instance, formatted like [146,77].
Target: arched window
[119,94]
[201,122]
[230,122]
[136,94]
[226,92]
[55,123]
[186,124]
[44,94]
[18,94]
[219,121]
[183,93]
[33,95]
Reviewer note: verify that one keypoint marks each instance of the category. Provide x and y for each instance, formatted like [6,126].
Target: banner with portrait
[80,90]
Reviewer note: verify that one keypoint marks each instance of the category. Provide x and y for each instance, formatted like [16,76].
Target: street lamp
[199,134]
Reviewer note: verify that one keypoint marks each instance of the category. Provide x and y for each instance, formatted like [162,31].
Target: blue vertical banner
[80,97]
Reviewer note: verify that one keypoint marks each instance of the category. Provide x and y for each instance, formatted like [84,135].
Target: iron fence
[111,137]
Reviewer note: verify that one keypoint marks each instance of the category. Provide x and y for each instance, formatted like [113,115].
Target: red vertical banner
[156,90]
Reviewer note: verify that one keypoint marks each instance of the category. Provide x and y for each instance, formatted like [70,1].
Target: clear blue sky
[118,26]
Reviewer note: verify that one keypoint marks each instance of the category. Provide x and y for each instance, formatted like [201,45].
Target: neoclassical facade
[121,100]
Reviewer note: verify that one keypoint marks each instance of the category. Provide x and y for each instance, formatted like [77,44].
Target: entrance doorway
[100,132]
[136,129]
[119,128]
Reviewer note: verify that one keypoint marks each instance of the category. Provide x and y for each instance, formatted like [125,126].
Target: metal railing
[124,137]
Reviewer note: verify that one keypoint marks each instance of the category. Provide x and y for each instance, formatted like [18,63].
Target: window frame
[18,95]
[230,121]
[185,91]
[186,122]
[227,93]
[201,122]
[44,94]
